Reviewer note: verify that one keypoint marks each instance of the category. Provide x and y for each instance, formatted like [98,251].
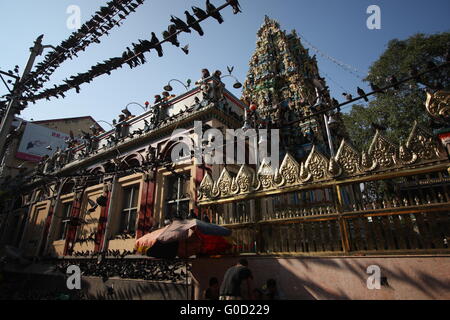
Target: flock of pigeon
[90,32]
[144,269]
[132,56]
[393,82]
[109,253]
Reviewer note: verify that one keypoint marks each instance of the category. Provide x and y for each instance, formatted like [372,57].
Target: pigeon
[171,36]
[348,96]
[376,88]
[362,94]
[199,13]
[378,127]
[236,6]
[334,102]
[126,112]
[212,11]
[185,49]
[180,24]
[393,81]
[155,44]
[193,23]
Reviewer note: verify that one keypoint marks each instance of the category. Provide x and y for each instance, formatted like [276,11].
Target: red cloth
[212,245]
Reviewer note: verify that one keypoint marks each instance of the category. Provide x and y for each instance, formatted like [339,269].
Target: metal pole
[110,212]
[330,141]
[12,107]
[56,207]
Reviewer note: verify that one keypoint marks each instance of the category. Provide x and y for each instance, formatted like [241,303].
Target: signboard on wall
[35,141]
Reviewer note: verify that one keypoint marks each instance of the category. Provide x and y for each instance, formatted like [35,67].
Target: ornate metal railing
[388,199]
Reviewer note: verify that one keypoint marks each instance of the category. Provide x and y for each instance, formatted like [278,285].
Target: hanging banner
[35,141]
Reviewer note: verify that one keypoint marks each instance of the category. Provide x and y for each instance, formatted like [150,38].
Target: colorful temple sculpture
[284,84]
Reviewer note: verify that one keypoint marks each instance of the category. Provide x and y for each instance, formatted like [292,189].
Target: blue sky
[337,28]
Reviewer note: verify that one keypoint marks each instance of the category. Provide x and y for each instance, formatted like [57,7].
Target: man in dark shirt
[235,277]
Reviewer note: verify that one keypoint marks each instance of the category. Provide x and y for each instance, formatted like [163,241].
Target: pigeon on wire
[156,45]
[375,88]
[334,102]
[362,94]
[199,13]
[348,96]
[193,23]
[180,24]
[171,35]
[235,5]
[212,11]
[393,81]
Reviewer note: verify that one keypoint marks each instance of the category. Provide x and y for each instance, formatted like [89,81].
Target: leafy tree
[397,109]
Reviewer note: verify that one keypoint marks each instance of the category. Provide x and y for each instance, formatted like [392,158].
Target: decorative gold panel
[438,104]
[382,157]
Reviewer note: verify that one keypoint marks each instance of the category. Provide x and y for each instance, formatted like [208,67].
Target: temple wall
[340,278]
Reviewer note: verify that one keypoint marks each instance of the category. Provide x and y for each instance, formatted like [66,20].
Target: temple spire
[284,82]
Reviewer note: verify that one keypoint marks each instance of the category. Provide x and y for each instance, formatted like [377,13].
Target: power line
[104,68]
[446,64]
[343,65]
[135,169]
[91,26]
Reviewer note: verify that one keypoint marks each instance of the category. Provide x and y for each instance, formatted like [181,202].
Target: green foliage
[398,109]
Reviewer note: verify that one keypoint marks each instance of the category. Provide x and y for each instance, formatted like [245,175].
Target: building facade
[113,188]
[315,224]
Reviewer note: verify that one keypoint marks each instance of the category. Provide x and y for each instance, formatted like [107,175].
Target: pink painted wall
[311,278]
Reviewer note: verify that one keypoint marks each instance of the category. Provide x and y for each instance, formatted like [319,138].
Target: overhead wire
[341,64]
[47,65]
[67,86]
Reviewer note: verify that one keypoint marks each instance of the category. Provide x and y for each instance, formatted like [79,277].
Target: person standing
[237,282]
[212,293]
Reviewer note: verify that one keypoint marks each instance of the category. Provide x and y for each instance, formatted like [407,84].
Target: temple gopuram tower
[285,85]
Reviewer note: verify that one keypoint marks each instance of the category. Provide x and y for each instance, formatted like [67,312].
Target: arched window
[68,187]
